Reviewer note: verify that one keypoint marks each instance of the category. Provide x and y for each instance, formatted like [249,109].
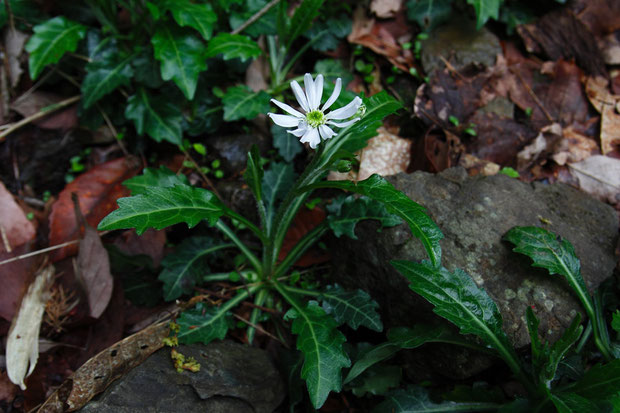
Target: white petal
[326,132]
[300,96]
[312,137]
[309,85]
[286,121]
[343,124]
[318,90]
[288,109]
[303,128]
[334,95]
[346,111]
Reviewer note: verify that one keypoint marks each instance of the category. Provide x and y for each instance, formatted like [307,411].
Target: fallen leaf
[29,104]
[605,103]
[150,243]
[8,390]
[305,221]
[94,272]
[97,189]
[477,166]
[256,74]
[600,16]
[573,147]
[14,41]
[386,154]
[599,176]
[15,228]
[22,346]
[385,8]
[610,47]
[99,372]
[14,276]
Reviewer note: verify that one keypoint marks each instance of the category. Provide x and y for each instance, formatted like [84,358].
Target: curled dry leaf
[385,8]
[605,103]
[599,176]
[94,272]
[15,228]
[99,372]
[14,41]
[573,147]
[22,346]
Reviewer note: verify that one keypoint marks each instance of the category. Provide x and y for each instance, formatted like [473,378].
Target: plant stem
[259,300]
[300,248]
[244,249]
[232,214]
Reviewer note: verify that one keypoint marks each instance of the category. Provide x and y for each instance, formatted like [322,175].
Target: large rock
[474,214]
[232,378]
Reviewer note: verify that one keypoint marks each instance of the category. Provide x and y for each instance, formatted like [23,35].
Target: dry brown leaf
[15,276]
[29,104]
[573,147]
[22,346]
[14,41]
[599,176]
[15,228]
[94,272]
[99,372]
[605,103]
[385,8]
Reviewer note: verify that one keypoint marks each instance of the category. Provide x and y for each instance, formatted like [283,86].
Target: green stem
[244,249]
[584,337]
[601,335]
[225,276]
[300,248]
[283,71]
[301,291]
[259,300]
[232,214]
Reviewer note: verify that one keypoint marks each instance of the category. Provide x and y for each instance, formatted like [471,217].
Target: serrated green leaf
[203,324]
[346,212]
[158,117]
[105,74]
[302,20]
[181,57]
[321,343]
[233,46]
[253,175]
[485,10]
[573,403]
[162,177]
[199,16]
[600,382]
[429,13]
[356,308]
[416,399]
[161,207]
[241,103]
[377,188]
[459,300]
[288,146]
[50,41]
[560,348]
[277,181]
[185,266]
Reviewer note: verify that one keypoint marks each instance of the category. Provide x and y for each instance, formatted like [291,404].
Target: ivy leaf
[105,75]
[158,117]
[600,382]
[197,16]
[356,308]
[253,175]
[232,46]
[185,266]
[278,179]
[379,189]
[265,25]
[302,20]
[203,324]
[50,41]
[485,10]
[416,399]
[332,31]
[146,70]
[573,403]
[161,207]
[429,13]
[346,212]
[241,103]
[162,177]
[287,145]
[321,343]
[181,57]
[459,300]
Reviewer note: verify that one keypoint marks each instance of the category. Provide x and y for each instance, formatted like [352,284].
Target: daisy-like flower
[312,124]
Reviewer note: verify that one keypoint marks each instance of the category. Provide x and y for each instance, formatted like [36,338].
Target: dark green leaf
[560,348]
[302,19]
[181,57]
[356,308]
[600,382]
[615,322]
[376,380]
[321,343]
[346,212]
[417,400]
[23,10]
[265,25]
[333,30]
[225,4]
[485,10]
[161,207]
[573,403]
[203,324]
[369,357]
[253,175]
[429,13]
[50,41]
[277,181]
[241,103]
[377,188]
[459,300]
[288,146]
[140,285]
[158,117]
[162,177]
[233,46]
[104,75]
[146,70]
[186,265]
[197,16]
[332,69]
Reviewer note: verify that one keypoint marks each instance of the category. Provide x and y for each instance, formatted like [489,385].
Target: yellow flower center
[315,118]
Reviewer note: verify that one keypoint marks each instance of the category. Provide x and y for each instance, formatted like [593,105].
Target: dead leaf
[573,147]
[610,47]
[29,104]
[305,221]
[8,390]
[385,8]
[15,228]
[100,371]
[14,41]
[22,347]
[98,189]
[14,276]
[94,272]
[150,243]
[605,103]
[477,166]
[386,154]
[256,74]
[600,16]
[599,176]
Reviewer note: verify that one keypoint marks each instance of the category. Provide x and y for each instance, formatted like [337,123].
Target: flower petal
[309,85]
[343,124]
[334,95]
[300,131]
[300,96]
[286,121]
[312,137]
[318,90]
[346,111]
[288,109]
[326,132]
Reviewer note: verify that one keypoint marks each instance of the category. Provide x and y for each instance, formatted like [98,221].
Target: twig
[5,239]
[44,250]
[108,122]
[533,95]
[40,114]
[259,328]
[255,17]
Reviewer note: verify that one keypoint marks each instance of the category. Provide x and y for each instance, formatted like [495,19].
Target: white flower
[312,123]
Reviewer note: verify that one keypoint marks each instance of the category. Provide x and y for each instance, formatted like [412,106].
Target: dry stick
[255,17]
[44,250]
[259,328]
[5,239]
[108,122]
[40,114]
[533,95]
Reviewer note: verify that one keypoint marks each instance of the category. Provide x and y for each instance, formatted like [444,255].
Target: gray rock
[232,378]
[474,213]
